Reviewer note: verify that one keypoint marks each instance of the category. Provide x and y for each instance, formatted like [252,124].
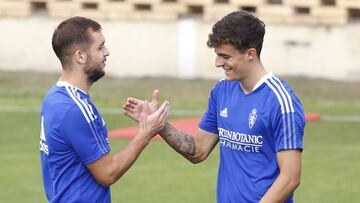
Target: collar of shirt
[64,83]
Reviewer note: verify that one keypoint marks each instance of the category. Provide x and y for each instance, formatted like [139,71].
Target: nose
[219,62]
[106,53]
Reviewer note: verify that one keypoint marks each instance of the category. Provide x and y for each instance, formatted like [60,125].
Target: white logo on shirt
[43,146]
[223,113]
[240,141]
[252,117]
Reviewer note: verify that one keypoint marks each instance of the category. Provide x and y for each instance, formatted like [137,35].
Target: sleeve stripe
[81,106]
[282,110]
[278,88]
[287,111]
[288,102]
[286,93]
[101,144]
[77,96]
[292,112]
[293,129]
[277,95]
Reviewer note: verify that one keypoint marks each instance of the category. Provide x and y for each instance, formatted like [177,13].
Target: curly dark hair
[73,31]
[239,28]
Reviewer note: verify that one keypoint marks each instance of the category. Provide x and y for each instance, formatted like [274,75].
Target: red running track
[187,125]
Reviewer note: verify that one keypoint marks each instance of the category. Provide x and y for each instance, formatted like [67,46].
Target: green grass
[331,160]
[331,163]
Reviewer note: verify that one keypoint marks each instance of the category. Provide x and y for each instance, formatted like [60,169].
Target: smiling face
[96,57]
[234,63]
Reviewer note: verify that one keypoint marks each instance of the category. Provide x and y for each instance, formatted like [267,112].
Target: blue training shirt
[252,128]
[73,135]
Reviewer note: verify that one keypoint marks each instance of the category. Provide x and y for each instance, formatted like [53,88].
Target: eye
[224,56]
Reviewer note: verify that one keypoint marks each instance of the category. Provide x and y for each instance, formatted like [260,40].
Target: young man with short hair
[76,162]
[254,116]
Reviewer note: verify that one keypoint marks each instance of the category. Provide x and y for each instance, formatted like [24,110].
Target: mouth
[227,71]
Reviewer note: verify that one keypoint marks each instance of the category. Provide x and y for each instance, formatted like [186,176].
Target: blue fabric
[252,128]
[73,135]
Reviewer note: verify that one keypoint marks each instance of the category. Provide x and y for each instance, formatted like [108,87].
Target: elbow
[294,183]
[106,182]
[197,158]
[107,179]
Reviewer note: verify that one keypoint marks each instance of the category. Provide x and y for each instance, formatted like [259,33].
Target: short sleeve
[288,127]
[209,120]
[84,136]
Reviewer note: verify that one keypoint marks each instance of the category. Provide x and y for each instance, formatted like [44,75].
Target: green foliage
[330,159]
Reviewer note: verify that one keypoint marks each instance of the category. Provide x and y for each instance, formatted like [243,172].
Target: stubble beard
[94,75]
[94,72]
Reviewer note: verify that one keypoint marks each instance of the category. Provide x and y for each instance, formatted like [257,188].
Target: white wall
[152,49]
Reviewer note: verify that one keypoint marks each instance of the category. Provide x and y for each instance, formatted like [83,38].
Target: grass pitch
[331,160]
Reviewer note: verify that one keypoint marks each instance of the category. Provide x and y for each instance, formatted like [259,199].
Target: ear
[251,54]
[80,56]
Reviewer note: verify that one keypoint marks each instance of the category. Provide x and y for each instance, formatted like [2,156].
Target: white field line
[340,118]
[21,109]
[18,109]
[175,112]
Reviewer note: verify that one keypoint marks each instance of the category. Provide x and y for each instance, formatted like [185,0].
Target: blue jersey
[73,134]
[252,128]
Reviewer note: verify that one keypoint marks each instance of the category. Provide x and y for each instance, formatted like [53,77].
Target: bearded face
[96,57]
[94,69]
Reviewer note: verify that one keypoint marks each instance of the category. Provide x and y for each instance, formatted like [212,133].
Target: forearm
[124,159]
[281,189]
[181,142]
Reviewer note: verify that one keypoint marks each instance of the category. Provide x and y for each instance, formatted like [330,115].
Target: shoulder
[281,95]
[279,86]
[56,100]
[57,95]
[62,102]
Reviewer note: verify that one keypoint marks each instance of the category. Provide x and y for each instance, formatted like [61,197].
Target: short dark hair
[239,28]
[73,31]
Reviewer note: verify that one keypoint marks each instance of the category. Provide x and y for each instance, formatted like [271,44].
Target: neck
[76,79]
[248,83]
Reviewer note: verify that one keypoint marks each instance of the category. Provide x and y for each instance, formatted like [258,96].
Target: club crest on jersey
[252,117]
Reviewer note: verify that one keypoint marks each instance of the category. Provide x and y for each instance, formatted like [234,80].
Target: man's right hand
[151,124]
[133,106]
[111,167]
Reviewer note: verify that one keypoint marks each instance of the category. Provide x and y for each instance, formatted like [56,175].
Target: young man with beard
[255,117]
[76,162]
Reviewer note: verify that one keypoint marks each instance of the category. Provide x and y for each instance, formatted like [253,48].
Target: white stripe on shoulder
[277,95]
[76,100]
[293,130]
[67,88]
[262,80]
[90,109]
[286,93]
[282,94]
[288,115]
[84,104]
[285,118]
